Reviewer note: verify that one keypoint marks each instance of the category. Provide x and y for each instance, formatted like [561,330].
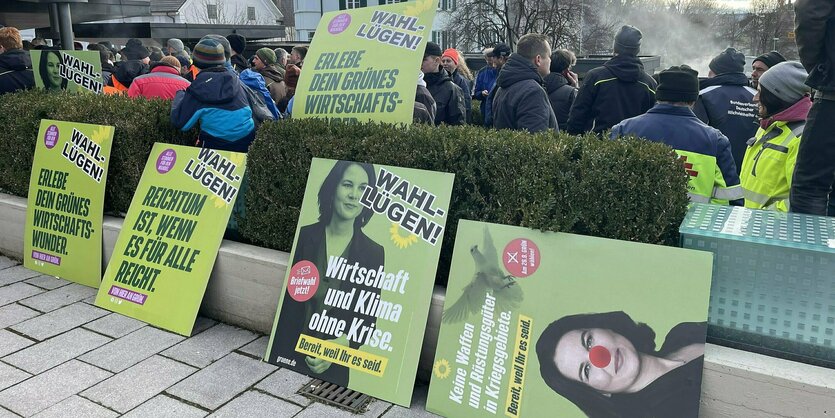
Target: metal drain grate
[335,395]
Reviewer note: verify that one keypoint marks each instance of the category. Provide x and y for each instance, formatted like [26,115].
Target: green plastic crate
[773,287]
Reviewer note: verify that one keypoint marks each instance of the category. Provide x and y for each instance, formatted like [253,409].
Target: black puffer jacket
[520,101]
[424,97]
[128,70]
[561,95]
[449,98]
[618,90]
[16,71]
[815,37]
[726,103]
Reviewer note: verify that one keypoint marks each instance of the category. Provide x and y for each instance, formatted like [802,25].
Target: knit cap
[208,53]
[678,84]
[227,48]
[176,45]
[134,50]
[786,80]
[267,56]
[729,61]
[237,42]
[628,41]
[770,58]
[171,61]
[452,54]
[433,49]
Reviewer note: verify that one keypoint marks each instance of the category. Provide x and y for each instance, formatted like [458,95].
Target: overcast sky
[735,4]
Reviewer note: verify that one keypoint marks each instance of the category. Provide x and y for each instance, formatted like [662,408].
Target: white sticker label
[737,221]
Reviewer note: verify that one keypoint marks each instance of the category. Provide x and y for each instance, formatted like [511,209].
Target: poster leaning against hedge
[67,70]
[574,325]
[356,296]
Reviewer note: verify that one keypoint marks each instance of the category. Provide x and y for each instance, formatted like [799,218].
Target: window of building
[211,11]
[310,36]
[352,4]
[250,13]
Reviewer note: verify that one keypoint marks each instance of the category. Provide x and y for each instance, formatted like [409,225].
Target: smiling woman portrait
[338,233]
[607,365]
[49,70]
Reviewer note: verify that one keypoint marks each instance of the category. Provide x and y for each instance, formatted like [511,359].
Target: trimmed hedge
[139,124]
[629,190]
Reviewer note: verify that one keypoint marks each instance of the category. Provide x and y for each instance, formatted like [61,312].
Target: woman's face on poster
[53,76]
[599,358]
[346,204]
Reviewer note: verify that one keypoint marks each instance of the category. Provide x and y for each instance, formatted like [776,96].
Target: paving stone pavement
[60,356]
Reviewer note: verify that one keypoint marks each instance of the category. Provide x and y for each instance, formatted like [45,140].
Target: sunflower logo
[441,369]
[420,6]
[238,159]
[399,240]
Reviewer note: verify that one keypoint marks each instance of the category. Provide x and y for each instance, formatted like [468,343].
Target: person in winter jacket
[454,64]
[485,79]
[136,64]
[815,169]
[163,81]
[425,106]
[216,99]
[727,103]
[618,90]
[762,63]
[15,63]
[768,167]
[449,98]
[256,82]
[298,54]
[501,53]
[265,64]
[238,44]
[705,150]
[520,101]
[106,58]
[561,84]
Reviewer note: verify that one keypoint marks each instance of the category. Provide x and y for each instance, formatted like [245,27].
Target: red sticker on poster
[521,257]
[304,280]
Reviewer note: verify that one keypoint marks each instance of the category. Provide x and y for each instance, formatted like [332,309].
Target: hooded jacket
[815,37]
[449,98]
[727,104]
[16,71]
[561,95]
[217,100]
[705,151]
[274,80]
[520,101]
[162,82]
[618,90]
[256,82]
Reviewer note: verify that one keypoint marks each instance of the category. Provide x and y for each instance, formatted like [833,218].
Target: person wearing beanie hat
[726,102]
[227,50]
[769,162]
[238,44]
[216,99]
[627,41]
[762,63]
[705,150]
[812,183]
[174,46]
[164,81]
[618,90]
[561,84]
[135,51]
[265,64]
[449,98]
[155,54]
[456,66]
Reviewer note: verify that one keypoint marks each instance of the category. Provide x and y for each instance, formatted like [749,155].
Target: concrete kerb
[246,282]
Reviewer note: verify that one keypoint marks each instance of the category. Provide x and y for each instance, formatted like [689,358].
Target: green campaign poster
[171,235]
[67,70]
[356,296]
[66,198]
[553,324]
[363,64]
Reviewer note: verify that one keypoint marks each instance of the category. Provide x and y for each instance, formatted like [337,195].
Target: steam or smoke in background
[675,37]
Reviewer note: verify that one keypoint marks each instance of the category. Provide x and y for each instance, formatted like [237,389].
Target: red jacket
[163,82]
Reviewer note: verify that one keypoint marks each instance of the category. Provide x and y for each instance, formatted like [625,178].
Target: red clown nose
[599,356]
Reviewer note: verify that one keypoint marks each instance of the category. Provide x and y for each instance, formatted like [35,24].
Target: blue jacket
[217,100]
[727,104]
[706,151]
[485,80]
[256,82]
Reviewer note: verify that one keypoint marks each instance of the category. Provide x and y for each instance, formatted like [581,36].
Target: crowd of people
[764,143]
